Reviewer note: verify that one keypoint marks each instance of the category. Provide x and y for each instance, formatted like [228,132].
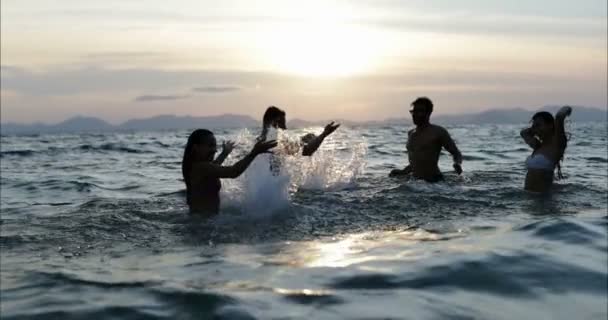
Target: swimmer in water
[424,145]
[202,173]
[548,140]
[275,118]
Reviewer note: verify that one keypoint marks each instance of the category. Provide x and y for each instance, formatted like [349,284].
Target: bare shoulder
[439,130]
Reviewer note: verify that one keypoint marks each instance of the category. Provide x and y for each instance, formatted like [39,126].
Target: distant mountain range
[494,116]
[89,124]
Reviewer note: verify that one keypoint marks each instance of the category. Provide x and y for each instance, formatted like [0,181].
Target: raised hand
[227,147]
[564,111]
[330,128]
[263,146]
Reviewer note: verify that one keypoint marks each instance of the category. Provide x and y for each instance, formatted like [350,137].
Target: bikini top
[539,161]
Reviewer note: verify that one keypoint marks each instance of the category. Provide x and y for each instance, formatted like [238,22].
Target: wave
[113,147]
[20,153]
[154,143]
[71,185]
[517,275]
[163,301]
[497,153]
[110,147]
[473,158]
[597,159]
[50,279]
[565,230]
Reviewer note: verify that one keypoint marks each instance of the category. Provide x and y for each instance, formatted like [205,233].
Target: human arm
[450,146]
[227,148]
[530,138]
[212,169]
[560,118]
[311,147]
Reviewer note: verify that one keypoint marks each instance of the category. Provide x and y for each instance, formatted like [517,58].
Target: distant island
[167,122]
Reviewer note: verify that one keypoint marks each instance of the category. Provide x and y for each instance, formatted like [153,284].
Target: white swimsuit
[539,161]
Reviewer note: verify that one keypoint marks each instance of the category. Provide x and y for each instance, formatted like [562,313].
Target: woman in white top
[547,138]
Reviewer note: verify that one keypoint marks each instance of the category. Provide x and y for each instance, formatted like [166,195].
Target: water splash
[263,191]
[327,170]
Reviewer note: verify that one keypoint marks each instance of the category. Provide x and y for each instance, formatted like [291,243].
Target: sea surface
[95,226]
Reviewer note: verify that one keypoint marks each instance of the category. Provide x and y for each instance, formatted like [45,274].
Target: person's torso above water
[544,158]
[423,148]
[204,191]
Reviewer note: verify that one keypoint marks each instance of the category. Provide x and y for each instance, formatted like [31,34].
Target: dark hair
[196,137]
[424,102]
[271,113]
[548,118]
[545,117]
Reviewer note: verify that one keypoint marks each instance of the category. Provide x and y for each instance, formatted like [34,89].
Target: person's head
[274,117]
[308,138]
[202,145]
[421,110]
[543,124]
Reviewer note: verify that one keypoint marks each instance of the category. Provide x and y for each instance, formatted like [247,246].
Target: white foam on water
[261,192]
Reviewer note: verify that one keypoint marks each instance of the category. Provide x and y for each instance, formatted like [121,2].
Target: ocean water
[95,226]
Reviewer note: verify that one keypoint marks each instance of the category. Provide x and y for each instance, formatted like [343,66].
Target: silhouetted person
[547,138]
[275,118]
[202,173]
[424,145]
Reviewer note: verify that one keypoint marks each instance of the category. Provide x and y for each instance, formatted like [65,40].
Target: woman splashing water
[202,173]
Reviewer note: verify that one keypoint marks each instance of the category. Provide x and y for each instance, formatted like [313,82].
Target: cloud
[217,89]
[120,56]
[540,8]
[152,98]
[497,24]
[13,71]
[73,80]
[66,82]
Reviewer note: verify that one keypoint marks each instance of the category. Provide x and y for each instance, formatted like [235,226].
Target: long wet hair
[548,118]
[198,136]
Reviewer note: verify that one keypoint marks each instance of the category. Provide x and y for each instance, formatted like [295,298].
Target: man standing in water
[424,145]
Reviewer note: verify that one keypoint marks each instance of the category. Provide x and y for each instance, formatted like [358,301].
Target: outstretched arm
[227,148]
[214,170]
[311,147]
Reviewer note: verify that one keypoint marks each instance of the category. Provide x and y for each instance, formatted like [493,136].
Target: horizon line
[76,116]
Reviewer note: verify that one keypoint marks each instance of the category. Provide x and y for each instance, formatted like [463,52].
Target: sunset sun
[321,49]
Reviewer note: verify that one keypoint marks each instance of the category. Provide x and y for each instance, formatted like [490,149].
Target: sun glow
[322,49]
[320,39]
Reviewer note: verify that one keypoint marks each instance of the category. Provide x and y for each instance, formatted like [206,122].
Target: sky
[316,59]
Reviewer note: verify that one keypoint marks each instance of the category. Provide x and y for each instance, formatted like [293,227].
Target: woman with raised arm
[202,173]
[547,138]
